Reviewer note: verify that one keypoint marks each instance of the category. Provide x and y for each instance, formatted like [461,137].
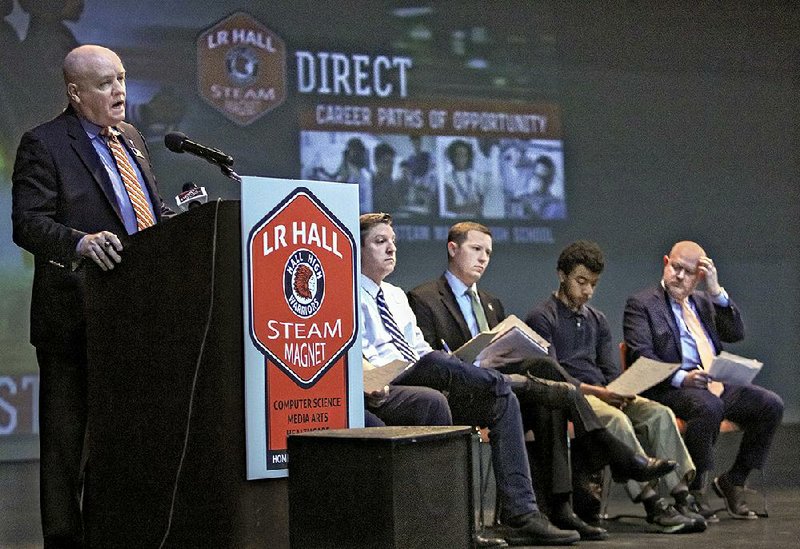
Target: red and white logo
[302,284]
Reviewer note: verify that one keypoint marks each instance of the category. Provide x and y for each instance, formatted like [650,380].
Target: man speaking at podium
[79,182]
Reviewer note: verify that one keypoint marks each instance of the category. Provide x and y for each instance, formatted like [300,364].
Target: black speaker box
[382,487]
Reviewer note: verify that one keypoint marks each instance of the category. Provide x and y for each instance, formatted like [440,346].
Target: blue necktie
[394,330]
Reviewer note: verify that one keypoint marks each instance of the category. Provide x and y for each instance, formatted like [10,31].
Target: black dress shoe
[733,496]
[566,519]
[587,492]
[642,468]
[535,529]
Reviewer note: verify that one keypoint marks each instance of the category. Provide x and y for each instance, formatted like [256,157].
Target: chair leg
[484,477]
[765,512]
[606,492]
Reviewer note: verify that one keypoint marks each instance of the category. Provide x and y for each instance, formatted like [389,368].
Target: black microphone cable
[194,378]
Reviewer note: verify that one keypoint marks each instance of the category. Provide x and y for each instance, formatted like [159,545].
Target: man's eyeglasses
[679,268]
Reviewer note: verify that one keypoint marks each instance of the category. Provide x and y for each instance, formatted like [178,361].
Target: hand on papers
[510,341]
[371,392]
[696,378]
[610,397]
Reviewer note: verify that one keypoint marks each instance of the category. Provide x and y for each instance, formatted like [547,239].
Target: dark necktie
[144,218]
[394,330]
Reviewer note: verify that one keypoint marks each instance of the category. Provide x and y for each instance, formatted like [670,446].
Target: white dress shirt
[376,342]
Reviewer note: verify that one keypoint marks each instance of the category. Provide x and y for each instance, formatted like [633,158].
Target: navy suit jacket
[440,318]
[650,329]
[61,192]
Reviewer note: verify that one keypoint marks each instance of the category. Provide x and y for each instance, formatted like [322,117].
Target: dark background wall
[680,122]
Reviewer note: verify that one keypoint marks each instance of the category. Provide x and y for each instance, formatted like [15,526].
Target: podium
[166,443]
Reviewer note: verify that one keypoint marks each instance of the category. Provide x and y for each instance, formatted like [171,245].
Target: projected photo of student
[418,177]
[389,194]
[354,168]
[532,187]
[542,201]
[419,162]
[464,189]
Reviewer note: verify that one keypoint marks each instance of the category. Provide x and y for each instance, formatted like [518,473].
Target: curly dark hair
[450,152]
[581,252]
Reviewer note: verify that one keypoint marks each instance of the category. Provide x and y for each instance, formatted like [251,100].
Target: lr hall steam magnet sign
[302,352]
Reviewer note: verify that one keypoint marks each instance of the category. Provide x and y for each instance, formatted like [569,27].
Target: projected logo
[302,284]
[241,67]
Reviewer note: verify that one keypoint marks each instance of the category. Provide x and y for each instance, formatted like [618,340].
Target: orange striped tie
[144,217]
[704,348]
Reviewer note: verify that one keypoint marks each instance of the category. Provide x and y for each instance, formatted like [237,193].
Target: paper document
[730,368]
[378,377]
[643,374]
[511,336]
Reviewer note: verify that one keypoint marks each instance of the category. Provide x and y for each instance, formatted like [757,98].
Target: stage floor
[20,529]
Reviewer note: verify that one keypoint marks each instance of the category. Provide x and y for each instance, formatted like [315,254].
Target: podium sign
[302,347]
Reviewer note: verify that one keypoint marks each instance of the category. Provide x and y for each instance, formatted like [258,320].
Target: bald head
[688,248]
[80,61]
[681,274]
[95,82]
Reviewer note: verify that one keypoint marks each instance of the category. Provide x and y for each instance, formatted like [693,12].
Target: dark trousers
[409,406]
[548,419]
[756,410]
[578,410]
[62,429]
[480,396]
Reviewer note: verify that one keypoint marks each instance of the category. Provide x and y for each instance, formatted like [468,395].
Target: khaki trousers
[649,428]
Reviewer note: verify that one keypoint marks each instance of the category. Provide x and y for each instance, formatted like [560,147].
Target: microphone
[191,196]
[178,142]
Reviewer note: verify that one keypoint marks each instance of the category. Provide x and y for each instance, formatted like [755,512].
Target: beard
[565,296]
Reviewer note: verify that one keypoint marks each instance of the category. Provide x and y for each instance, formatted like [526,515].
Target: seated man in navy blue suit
[674,322]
